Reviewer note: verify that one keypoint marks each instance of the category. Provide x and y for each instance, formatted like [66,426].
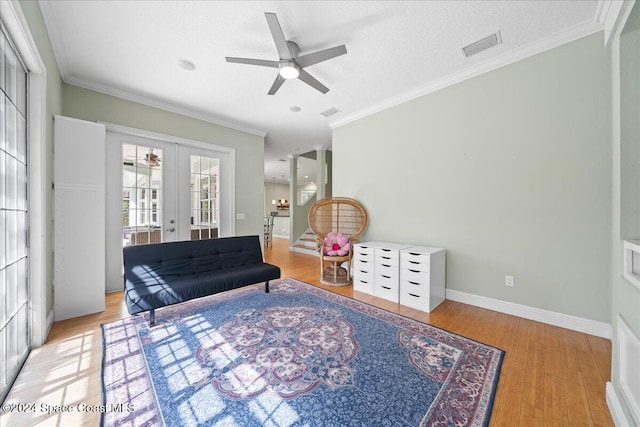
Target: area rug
[297,356]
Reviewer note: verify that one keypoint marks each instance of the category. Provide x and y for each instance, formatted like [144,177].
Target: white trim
[143,133]
[610,15]
[162,105]
[16,23]
[587,326]
[558,39]
[615,406]
[628,355]
[50,320]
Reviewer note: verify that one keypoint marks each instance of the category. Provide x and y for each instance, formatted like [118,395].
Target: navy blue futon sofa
[162,274]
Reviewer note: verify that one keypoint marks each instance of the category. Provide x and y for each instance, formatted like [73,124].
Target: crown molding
[162,105]
[48,12]
[576,32]
[610,15]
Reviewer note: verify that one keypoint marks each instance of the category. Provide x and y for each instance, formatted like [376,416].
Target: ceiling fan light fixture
[289,70]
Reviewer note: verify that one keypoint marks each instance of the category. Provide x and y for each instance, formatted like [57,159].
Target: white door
[159,191]
[148,177]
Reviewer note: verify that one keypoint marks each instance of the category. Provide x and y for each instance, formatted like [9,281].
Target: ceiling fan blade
[261,62]
[311,81]
[323,55]
[278,36]
[276,85]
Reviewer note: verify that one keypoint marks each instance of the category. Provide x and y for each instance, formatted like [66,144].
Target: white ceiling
[397,50]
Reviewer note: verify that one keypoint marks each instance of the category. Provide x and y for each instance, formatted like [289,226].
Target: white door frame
[114,161]
[40,228]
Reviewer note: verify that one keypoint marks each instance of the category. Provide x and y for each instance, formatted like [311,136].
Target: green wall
[509,171]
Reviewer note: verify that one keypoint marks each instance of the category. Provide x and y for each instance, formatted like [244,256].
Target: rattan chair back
[339,214]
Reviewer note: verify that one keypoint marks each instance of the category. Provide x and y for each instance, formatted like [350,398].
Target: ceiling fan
[152,159]
[291,65]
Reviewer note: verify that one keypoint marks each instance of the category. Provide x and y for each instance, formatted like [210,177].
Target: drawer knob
[386,277]
[414,283]
[414,262]
[414,295]
[414,271]
[386,287]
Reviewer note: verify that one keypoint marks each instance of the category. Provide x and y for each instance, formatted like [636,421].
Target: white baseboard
[591,327]
[50,320]
[615,407]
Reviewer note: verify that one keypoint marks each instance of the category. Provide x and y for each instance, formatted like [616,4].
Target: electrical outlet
[508,281]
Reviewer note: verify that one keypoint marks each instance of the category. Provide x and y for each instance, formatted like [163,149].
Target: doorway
[161,189]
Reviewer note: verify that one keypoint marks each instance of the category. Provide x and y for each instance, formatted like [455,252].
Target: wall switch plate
[508,281]
[240,216]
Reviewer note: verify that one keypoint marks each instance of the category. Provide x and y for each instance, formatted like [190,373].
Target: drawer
[414,288]
[420,302]
[390,293]
[388,253]
[361,265]
[415,276]
[415,257]
[363,275]
[387,270]
[365,253]
[386,259]
[363,285]
[388,280]
[408,264]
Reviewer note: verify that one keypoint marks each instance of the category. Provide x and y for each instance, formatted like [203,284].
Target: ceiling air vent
[281,160]
[483,44]
[330,112]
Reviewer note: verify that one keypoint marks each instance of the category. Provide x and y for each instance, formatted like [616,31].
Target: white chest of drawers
[362,269]
[376,269]
[422,277]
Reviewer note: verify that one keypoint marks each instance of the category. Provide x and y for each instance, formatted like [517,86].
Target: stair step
[305,250]
[307,239]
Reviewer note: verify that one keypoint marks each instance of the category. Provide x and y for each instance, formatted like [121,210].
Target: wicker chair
[338,214]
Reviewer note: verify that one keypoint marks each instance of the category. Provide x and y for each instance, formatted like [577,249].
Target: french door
[14,295]
[159,190]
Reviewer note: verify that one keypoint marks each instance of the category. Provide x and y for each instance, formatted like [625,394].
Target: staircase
[306,244]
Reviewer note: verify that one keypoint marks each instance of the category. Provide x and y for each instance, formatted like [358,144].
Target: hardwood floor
[550,376]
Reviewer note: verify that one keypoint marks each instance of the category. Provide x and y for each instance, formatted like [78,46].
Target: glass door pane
[14,295]
[142,195]
[205,192]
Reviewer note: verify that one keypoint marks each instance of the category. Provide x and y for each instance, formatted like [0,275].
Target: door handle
[172,229]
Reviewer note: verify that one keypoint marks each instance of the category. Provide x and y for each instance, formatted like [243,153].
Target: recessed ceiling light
[295,109]
[186,65]
[306,176]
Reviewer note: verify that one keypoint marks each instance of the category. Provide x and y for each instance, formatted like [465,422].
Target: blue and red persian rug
[298,356]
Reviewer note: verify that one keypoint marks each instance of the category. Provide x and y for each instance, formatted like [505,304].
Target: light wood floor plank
[550,376]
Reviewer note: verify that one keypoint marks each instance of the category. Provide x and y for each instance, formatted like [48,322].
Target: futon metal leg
[266,287]
[152,317]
